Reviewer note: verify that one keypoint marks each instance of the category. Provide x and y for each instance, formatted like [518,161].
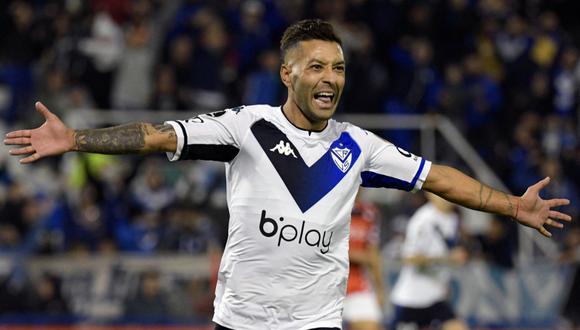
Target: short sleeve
[389,166]
[213,136]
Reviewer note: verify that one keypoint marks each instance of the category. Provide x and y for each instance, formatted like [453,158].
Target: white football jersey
[290,193]
[430,233]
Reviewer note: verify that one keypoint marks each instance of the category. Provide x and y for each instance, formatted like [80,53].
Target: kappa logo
[284,148]
[342,157]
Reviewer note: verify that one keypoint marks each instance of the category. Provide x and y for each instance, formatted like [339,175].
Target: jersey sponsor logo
[288,233]
[342,157]
[284,148]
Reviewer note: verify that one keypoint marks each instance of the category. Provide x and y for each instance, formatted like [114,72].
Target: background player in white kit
[430,248]
[292,177]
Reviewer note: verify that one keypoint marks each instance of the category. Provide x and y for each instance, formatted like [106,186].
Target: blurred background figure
[45,296]
[365,290]
[150,302]
[421,293]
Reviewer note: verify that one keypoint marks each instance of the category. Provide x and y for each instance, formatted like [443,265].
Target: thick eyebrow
[314,60]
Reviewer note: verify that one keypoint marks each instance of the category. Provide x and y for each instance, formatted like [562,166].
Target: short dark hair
[308,29]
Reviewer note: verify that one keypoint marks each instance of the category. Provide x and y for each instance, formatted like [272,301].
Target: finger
[43,110]
[541,184]
[559,216]
[558,202]
[21,133]
[22,151]
[554,224]
[32,158]
[544,232]
[17,141]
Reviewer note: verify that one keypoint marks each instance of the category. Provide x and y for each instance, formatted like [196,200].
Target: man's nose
[330,76]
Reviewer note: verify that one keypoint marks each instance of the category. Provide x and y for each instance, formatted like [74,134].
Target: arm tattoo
[488,198]
[482,204]
[123,139]
[511,206]
[480,196]
[164,129]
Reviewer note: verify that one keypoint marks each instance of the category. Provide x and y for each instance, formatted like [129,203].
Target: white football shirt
[430,233]
[290,193]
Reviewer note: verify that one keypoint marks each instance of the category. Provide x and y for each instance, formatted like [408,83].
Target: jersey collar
[301,131]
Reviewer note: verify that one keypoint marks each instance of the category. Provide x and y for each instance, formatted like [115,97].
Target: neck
[297,117]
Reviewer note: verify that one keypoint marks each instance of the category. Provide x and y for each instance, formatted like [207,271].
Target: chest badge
[342,157]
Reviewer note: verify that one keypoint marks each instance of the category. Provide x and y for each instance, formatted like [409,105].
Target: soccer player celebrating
[292,177]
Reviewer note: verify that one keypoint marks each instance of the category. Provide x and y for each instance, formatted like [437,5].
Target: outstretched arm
[529,209]
[55,138]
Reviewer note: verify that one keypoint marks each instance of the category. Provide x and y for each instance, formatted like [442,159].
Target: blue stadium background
[507,73]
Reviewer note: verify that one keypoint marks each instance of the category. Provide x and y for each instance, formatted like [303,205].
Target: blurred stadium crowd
[506,72]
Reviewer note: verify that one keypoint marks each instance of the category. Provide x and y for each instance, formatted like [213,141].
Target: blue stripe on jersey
[306,184]
[450,242]
[376,180]
[418,173]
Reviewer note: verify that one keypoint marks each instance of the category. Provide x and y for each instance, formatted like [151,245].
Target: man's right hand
[51,138]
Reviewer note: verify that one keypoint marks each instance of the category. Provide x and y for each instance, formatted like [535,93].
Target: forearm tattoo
[483,204]
[128,138]
[511,206]
[164,129]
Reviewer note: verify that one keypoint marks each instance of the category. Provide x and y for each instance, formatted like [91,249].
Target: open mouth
[324,99]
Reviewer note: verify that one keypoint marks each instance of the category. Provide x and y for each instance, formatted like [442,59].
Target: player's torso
[290,194]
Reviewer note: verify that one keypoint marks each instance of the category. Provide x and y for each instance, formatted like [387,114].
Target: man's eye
[316,66]
[339,68]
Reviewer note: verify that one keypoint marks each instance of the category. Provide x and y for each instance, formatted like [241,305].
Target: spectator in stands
[150,303]
[10,239]
[150,189]
[11,295]
[497,244]
[45,296]
[566,83]
[103,47]
[133,81]
[210,63]
[263,85]
[189,231]
[168,94]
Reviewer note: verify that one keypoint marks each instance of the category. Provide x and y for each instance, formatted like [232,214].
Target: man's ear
[285,71]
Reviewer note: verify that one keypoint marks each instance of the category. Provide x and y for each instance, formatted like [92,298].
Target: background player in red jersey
[365,300]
